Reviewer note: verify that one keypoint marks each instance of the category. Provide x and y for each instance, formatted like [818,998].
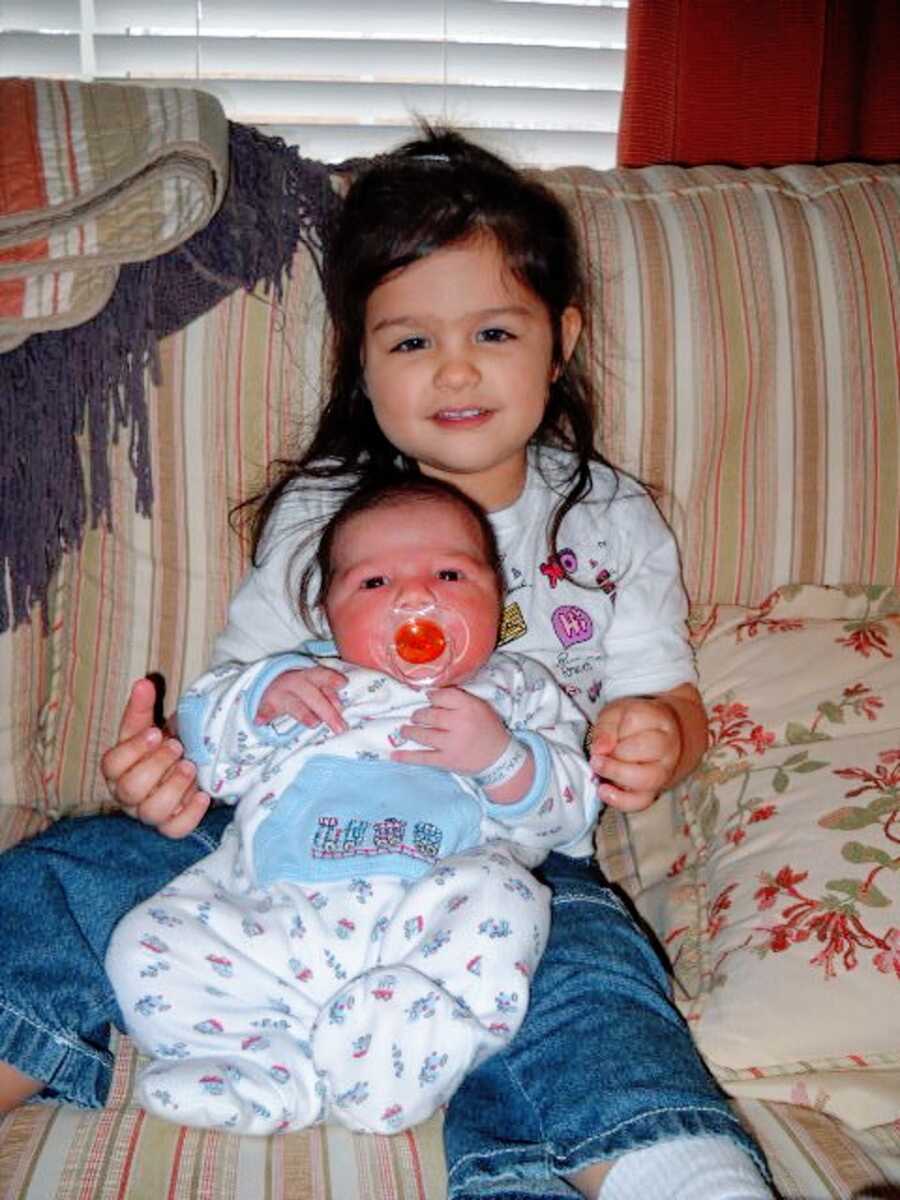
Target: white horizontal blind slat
[314,60]
[266,102]
[404,20]
[38,54]
[550,148]
[160,16]
[25,16]
[596,24]
[348,77]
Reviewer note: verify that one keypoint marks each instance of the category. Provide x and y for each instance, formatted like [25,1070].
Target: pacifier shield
[419,640]
[419,644]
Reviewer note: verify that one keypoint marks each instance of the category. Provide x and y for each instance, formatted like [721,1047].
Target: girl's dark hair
[379,494]
[435,191]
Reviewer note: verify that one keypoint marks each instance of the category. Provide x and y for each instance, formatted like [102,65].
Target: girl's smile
[461,417]
[458,359]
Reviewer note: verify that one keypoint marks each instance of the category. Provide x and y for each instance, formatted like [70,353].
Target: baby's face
[411,555]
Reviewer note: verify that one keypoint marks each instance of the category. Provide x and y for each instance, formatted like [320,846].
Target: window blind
[538,81]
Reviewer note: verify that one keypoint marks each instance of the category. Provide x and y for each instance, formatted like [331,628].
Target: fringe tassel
[89,379]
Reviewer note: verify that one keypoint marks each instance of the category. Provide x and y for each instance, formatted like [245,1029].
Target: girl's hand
[309,695]
[464,733]
[147,774]
[636,746]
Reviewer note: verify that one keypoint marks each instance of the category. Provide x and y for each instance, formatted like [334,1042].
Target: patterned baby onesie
[366,932]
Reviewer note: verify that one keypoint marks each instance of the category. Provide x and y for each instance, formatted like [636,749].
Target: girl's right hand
[147,773]
[308,694]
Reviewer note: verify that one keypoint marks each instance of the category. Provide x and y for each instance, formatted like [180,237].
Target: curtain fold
[761,82]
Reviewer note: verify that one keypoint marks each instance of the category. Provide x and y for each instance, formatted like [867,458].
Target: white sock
[686,1168]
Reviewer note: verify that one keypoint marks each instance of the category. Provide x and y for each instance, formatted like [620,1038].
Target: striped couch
[744,328]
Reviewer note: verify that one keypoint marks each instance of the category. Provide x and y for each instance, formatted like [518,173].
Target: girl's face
[458,360]
[381,561]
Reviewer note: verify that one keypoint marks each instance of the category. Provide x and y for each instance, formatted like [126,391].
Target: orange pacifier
[419,640]
[423,643]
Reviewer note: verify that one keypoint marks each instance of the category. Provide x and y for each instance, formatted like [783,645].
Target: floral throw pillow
[780,904]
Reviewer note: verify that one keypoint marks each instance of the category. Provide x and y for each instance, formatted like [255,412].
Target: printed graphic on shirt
[603,578]
[558,566]
[572,625]
[512,624]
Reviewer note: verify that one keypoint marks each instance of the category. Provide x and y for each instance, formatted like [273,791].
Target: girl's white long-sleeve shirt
[316,806]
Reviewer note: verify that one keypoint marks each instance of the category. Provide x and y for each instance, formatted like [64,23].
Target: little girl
[367,930]
[453,285]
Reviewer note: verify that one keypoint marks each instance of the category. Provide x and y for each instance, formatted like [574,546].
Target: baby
[367,930]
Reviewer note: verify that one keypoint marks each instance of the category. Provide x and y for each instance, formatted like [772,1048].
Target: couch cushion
[779,905]
[26,696]
[58,1153]
[743,328]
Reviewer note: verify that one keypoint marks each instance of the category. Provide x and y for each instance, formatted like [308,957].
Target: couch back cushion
[744,330]
[742,325]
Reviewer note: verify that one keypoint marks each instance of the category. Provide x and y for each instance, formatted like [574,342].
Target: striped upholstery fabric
[50,1153]
[24,701]
[744,329]
[93,176]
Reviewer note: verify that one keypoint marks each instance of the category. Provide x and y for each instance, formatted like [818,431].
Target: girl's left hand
[462,732]
[636,745]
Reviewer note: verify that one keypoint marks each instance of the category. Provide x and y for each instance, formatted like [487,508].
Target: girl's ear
[571,325]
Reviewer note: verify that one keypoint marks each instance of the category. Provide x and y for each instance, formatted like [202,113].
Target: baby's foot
[246,1097]
[392,1047]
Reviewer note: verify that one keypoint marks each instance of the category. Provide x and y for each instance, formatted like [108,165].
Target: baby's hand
[636,745]
[464,733]
[309,695]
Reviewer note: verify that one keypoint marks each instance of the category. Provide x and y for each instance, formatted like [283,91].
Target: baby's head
[411,581]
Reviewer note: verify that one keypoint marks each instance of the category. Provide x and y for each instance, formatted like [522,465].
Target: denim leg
[603,1063]
[61,895]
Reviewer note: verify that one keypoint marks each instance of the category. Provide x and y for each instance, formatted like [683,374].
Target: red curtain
[761,82]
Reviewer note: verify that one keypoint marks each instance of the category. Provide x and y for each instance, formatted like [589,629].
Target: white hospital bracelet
[503,769]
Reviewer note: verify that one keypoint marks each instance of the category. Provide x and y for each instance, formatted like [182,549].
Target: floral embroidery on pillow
[734,738]
[742,784]
[760,619]
[838,919]
[869,632]
[783,859]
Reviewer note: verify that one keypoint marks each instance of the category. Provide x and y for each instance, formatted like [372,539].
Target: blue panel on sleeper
[342,818]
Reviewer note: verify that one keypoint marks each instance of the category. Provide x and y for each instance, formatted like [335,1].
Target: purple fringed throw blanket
[90,378]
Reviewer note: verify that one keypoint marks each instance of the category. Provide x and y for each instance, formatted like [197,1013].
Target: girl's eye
[374,581]
[450,575]
[409,344]
[495,335]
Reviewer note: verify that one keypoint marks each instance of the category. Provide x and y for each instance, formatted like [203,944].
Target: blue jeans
[61,895]
[603,1063]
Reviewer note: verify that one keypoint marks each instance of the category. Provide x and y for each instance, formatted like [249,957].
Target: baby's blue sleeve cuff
[282,729]
[508,814]
[320,648]
[191,711]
